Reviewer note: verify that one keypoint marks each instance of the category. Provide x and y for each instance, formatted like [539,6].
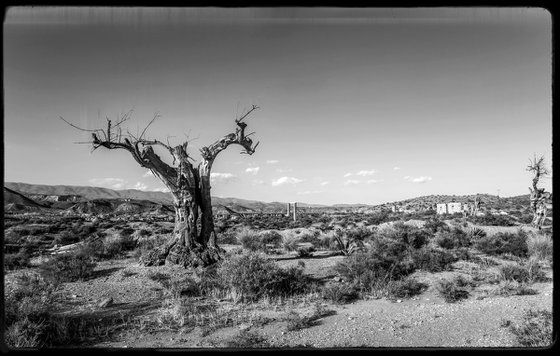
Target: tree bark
[189,185]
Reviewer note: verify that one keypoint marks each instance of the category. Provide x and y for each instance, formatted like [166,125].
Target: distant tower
[288,210]
[295,209]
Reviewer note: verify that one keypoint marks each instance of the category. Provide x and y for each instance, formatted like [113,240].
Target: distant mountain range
[37,196]
[67,193]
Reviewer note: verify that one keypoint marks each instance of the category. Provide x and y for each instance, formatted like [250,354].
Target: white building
[450,208]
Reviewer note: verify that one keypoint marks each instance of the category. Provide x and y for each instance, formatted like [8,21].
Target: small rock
[106,302]
[399,301]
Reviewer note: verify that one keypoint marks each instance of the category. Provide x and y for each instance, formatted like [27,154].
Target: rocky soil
[423,321]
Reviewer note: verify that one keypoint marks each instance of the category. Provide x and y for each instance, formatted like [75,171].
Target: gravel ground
[424,321]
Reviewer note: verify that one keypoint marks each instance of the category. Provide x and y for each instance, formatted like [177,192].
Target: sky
[355,105]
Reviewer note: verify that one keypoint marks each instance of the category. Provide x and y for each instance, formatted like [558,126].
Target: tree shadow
[104,272]
[85,328]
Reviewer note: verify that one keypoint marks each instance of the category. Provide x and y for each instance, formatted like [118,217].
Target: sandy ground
[424,321]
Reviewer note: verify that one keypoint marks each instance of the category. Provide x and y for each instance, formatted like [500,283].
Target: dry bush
[535,329]
[540,246]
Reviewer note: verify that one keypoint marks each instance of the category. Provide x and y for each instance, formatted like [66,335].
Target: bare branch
[253,108]
[145,128]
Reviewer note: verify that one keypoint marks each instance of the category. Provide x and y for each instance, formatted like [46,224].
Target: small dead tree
[189,184]
[539,198]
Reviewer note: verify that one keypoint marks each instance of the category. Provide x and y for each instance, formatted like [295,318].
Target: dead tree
[189,184]
[540,200]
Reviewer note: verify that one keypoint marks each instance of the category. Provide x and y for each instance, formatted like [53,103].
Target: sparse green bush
[340,293]
[491,220]
[528,272]
[454,238]
[504,242]
[228,236]
[540,246]
[17,260]
[305,251]
[405,288]
[435,225]
[68,267]
[27,315]
[432,260]
[251,240]
[66,238]
[248,339]
[372,269]
[407,235]
[271,237]
[450,291]
[535,329]
[251,276]
[290,243]
[299,322]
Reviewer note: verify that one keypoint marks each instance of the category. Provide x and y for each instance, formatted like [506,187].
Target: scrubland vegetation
[381,257]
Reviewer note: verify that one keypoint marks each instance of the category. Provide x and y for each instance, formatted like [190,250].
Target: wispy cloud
[307,192]
[253,170]
[396,168]
[148,174]
[140,186]
[272,161]
[373,181]
[113,183]
[257,182]
[222,177]
[362,173]
[324,183]
[421,179]
[286,180]
[283,170]
[351,182]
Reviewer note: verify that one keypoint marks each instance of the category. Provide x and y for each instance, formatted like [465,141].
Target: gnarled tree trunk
[189,185]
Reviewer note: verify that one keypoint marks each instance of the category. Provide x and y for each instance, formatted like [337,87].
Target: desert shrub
[504,242]
[405,234]
[378,218]
[17,260]
[250,240]
[340,293]
[432,260]
[305,251]
[110,248]
[66,238]
[290,243]
[27,317]
[372,269]
[508,288]
[248,339]
[299,322]
[475,234]
[405,288]
[252,276]
[344,244]
[451,239]
[271,237]
[535,329]
[228,237]
[489,219]
[142,232]
[539,246]
[179,287]
[358,233]
[68,267]
[450,291]
[435,225]
[528,272]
